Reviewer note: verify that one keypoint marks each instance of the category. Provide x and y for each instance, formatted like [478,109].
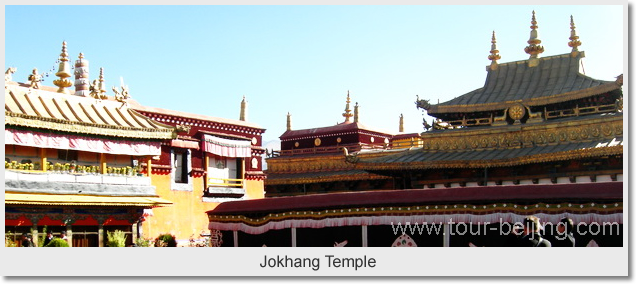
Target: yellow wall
[254,189]
[186,217]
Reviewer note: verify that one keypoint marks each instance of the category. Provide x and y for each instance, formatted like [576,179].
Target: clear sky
[303,59]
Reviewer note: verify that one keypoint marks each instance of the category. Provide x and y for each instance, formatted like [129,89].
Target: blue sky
[303,59]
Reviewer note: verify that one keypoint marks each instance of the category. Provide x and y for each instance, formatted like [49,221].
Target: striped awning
[226,147]
[90,200]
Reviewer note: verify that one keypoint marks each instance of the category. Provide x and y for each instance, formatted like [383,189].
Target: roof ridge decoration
[289,124]
[534,49]
[574,39]
[243,114]
[96,88]
[356,116]
[63,72]
[8,75]
[494,53]
[347,114]
[82,85]
[35,78]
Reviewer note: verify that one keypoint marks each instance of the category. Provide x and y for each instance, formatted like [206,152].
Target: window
[180,167]
[67,155]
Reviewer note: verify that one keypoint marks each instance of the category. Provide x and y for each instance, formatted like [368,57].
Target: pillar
[100,235]
[34,228]
[134,232]
[365,240]
[446,234]
[43,160]
[102,163]
[149,166]
[69,234]
[293,237]
[35,234]
[235,237]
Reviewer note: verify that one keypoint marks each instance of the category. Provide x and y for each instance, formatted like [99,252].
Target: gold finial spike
[401,127]
[347,114]
[494,53]
[102,84]
[243,115]
[534,49]
[356,116]
[63,72]
[289,125]
[574,39]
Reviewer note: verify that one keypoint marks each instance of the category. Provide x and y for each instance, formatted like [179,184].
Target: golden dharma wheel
[517,112]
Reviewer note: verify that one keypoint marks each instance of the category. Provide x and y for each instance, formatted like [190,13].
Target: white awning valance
[226,147]
[81,143]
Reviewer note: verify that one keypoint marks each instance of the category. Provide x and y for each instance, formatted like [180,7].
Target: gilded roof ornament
[243,114]
[401,126]
[289,125]
[574,39]
[8,75]
[97,87]
[534,49]
[35,78]
[347,114]
[356,116]
[494,53]
[63,72]
[82,84]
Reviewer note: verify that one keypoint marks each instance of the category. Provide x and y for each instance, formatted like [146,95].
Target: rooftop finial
[401,127]
[494,53]
[347,114]
[98,89]
[534,49]
[289,125]
[356,116]
[82,85]
[63,72]
[574,39]
[243,115]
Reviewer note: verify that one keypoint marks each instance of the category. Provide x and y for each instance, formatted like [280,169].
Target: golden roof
[47,109]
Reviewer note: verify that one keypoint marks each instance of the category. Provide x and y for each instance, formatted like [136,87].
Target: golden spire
[243,115]
[401,127]
[289,126]
[534,49]
[347,114]
[63,72]
[494,53]
[355,113]
[101,86]
[574,39]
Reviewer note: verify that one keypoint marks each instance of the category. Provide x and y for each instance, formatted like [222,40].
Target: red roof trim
[539,192]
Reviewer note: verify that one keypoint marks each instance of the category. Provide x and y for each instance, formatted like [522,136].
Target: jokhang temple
[87,163]
[539,138]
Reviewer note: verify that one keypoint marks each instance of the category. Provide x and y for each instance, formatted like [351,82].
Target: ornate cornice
[524,136]
[424,209]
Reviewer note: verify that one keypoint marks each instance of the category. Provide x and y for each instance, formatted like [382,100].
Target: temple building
[539,138]
[310,160]
[87,163]
[70,158]
[211,160]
